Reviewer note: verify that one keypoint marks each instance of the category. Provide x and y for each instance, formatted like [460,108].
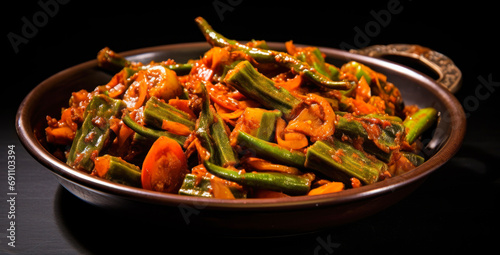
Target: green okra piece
[334,72]
[283,182]
[313,57]
[225,153]
[271,151]
[355,129]
[149,132]
[114,62]
[270,56]
[255,85]
[341,161]
[118,170]
[266,120]
[180,69]
[202,187]
[111,61]
[156,111]
[211,131]
[418,122]
[383,117]
[391,132]
[390,94]
[415,159]
[94,133]
[192,186]
[205,121]
[260,44]
[360,71]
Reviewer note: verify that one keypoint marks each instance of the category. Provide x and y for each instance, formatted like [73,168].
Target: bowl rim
[446,152]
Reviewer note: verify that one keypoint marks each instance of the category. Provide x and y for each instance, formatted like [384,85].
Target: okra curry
[242,121]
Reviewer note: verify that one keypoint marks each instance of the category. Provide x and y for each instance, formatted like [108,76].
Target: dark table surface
[454,210]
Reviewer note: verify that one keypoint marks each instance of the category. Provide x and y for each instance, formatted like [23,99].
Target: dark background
[455,210]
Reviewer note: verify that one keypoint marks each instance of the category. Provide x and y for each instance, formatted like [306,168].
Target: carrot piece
[290,84]
[60,135]
[219,95]
[164,167]
[182,105]
[101,166]
[175,128]
[327,188]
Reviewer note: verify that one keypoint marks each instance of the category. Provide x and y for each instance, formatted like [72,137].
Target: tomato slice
[164,167]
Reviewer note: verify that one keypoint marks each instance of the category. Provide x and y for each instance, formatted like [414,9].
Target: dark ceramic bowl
[249,217]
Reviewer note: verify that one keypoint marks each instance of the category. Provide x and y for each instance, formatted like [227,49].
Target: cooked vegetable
[202,132]
[379,135]
[257,122]
[194,186]
[255,85]
[113,62]
[213,135]
[316,119]
[289,140]
[418,122]
[153,81]
[205,186]
[260,148]
[313,57]
[390,94]
[415,159]
[157,112]
[225,153]
[243,121]
[117,170]
[150,132]
[330,187]
[110,60]
[164,167]
[270,56]
[341,161]
[94,133]
[286,183]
